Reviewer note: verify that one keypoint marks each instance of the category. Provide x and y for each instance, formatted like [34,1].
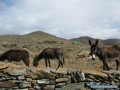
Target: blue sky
[63,18]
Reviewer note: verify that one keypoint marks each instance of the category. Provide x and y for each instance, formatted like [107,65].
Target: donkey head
[35,61]
[93,49]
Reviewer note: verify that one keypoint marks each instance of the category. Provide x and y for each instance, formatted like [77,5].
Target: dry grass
[35,42]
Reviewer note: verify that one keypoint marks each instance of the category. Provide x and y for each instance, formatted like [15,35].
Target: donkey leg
[117,63]
[105,65]
[59,63]
[49,63]
[46,62]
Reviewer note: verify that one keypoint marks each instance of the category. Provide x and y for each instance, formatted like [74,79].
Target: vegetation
[35,42]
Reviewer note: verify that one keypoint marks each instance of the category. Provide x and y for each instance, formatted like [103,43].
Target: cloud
[63,18]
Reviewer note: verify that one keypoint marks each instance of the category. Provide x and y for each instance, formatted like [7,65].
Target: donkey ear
[96,43]
[90,43]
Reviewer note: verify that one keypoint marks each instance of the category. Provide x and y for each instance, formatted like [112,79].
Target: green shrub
[49,42]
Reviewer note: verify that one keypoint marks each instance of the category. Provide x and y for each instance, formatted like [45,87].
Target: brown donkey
[50,53]
[105,53]
[16,55]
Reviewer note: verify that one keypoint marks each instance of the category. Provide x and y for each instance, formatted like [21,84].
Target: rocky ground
[20,77]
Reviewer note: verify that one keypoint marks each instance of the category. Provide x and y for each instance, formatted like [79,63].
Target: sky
[63,18]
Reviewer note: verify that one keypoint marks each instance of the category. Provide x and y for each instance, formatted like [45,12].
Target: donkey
[16,55]
[105,53]
[50,53]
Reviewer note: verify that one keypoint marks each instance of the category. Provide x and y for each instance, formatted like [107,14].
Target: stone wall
[16,77]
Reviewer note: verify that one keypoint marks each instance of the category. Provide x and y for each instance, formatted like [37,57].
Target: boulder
[12,68]
[7,84]
[48,87]
[36,73]
[82,53]
[96,73]
[63,80]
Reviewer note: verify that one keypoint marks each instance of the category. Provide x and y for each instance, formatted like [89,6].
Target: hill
[82,39]
[33,41]
[106,41]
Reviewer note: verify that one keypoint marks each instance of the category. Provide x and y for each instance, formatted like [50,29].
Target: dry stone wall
[16,77]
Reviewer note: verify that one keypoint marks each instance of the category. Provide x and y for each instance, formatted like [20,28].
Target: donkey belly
[17,59]
[111,59]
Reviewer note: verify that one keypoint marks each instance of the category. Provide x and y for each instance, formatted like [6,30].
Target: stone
[80,76]
[21,71]
[38,87]
[52,82]
[89,80]
[1,74]
[96,73]
[31,80]
[32,89]
[116,80]
[48,87]
[63,80]
[21,77]
[7,84]
[25,84]
[21,89]
[73,86]
[82,54]
[43,81]
[61,71]
[60,85]
[36,73]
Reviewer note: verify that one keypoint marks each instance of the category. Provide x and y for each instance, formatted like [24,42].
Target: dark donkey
[50,53]
[16,55]
[105,53]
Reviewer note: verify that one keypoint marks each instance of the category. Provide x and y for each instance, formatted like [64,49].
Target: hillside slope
[106,41]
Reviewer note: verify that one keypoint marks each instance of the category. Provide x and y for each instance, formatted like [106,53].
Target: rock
[72,74]
[48,87]
[38,87]
[73,86]
[89,80]
[62,71]
[82,54]
[60,85]
[25,84]
[116,80]
[1,74]
[76,76]
[96,73]
[35,73]
[82,75]
[52,82]
[63,80]
[32,89]
[117,76]
[30,80]
[21,77]
[43,81]
[7,84]
[16,70]
[21,89]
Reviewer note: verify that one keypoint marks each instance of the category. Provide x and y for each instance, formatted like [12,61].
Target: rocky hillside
[33,41]
[106,41]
